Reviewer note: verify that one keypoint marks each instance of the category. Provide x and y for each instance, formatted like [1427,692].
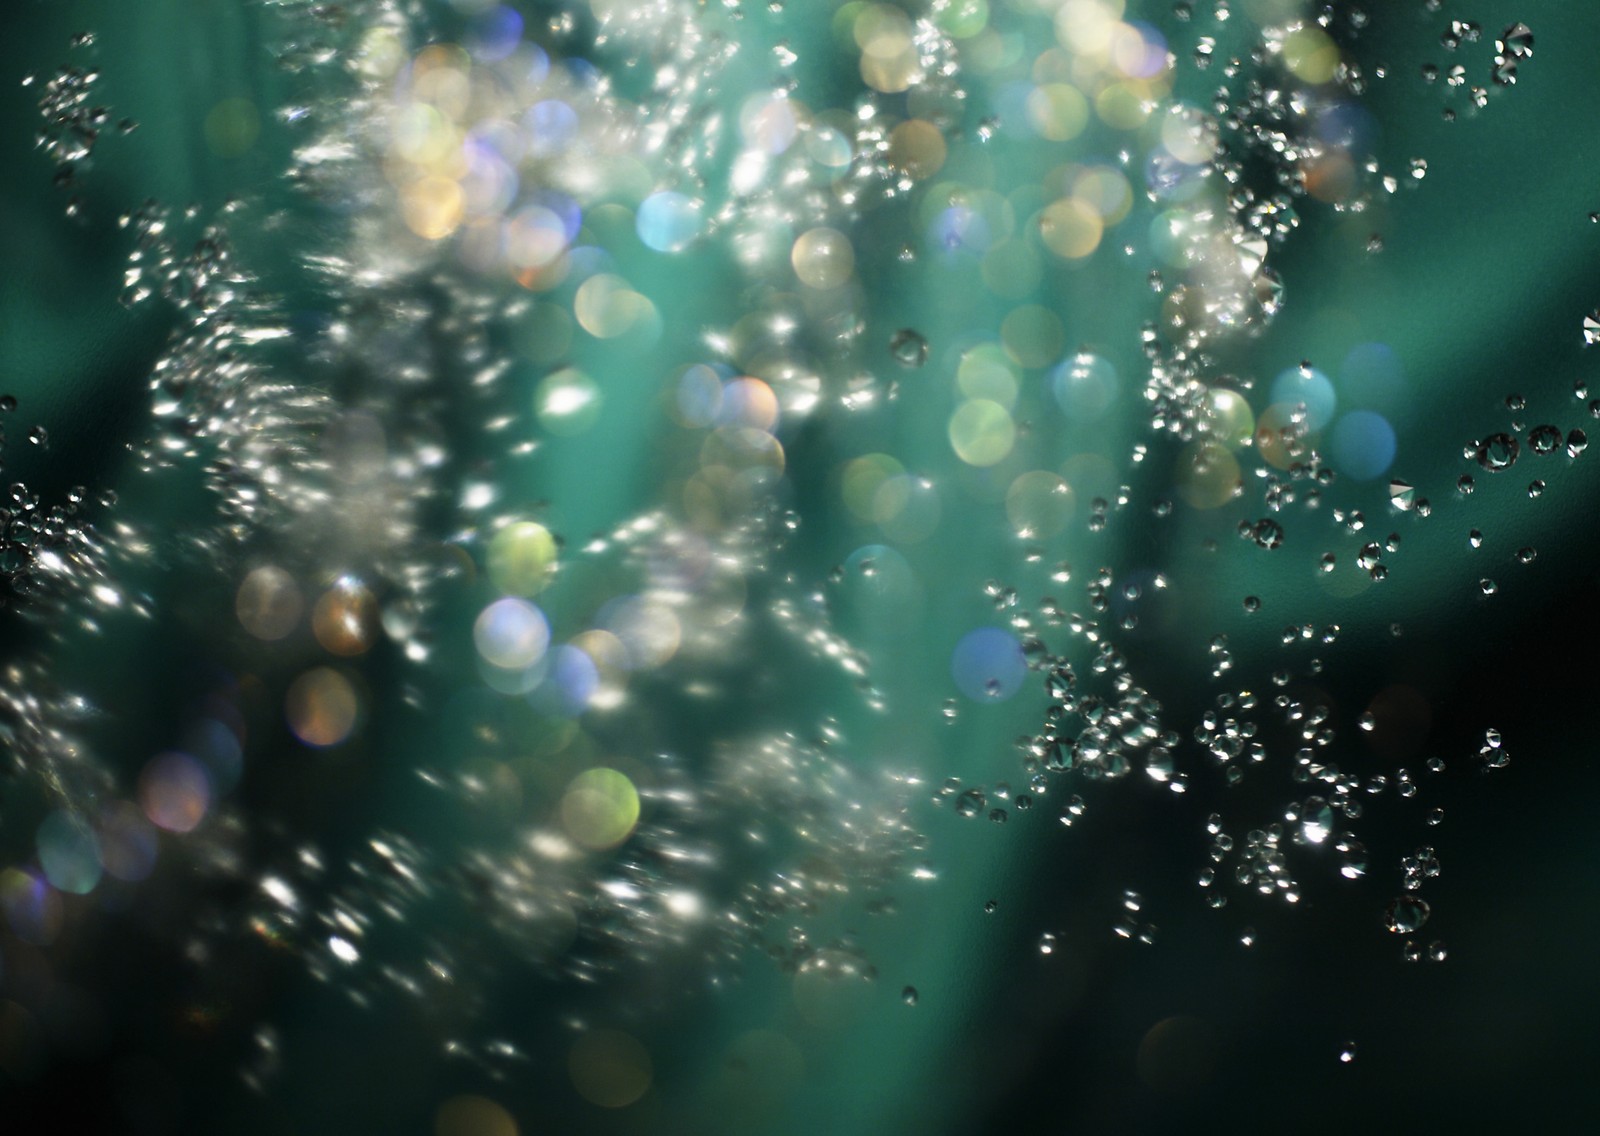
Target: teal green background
[1487,269]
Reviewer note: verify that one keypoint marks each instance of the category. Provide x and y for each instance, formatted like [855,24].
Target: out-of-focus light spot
[174,792]
[1070,228]
[232,127]
[648,631]
[988,665]
[864,478]
[1138,51]
[321,707]
[1228,417]
[668,221]
[606,307]
[823,258]
[1032,335]
[698,395]
[511,634]
[127,841]
[1105,190]
[917,147]
[769,122]
[611,664]
[964,19]
[569,680]
[568,402]
[345,619]
[69,852]
[551,125]
[522,558]
[985,371]
[1039,504]
[1363,445]
[216,747]
[472,1116]
[982,432]
[600,808]
[1085,26]
[1189,134]
[432,206]
[610,1068]
[918,516]
[749,402]
[1278,436]
[1310,54]
[1125,105]
[1309,387]
[1373,378]
[32,906]
[268,603]
[535,238]
[881,591]
[1057,111]
[495,34]
[1207,474]
[1085,386]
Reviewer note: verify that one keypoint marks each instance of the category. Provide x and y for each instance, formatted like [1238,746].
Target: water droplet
[1436,951]
[1252,604]
[1527,555]
[909,995]
[1577,442]
[1544,439]
[970,803]
[991,906]
[39,436]
[1347,1053]
[1497,452]
[1047,943]
[1536,487]
[1406,913]
[1487,586]
[908,347]
[1475,538]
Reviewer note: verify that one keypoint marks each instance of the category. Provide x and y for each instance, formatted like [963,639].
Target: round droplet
[1047,943]
[1497,452]
[1347,1053]
[1406,914]
[970,803]
[908,347]
[1544,439]
[909,995]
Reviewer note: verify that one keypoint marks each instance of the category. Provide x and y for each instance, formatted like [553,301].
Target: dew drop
[908,347]
[970,803]
[1544,439]
[1497,452]
[1406,914]
[909,995]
